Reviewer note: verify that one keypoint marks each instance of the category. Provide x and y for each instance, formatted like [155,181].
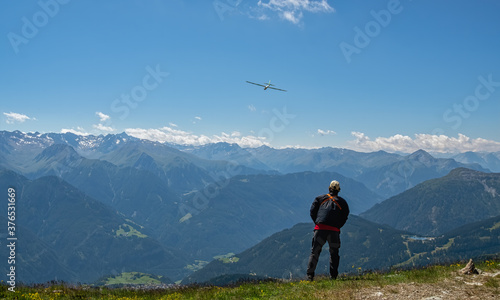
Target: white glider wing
[256,83]
[266,86]
[276,89]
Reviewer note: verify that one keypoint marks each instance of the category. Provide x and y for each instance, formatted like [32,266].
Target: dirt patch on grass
[481,286]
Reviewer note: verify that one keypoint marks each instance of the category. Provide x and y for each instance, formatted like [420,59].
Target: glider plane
[266,86]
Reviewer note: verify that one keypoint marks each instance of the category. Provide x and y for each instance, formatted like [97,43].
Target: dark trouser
[319,239]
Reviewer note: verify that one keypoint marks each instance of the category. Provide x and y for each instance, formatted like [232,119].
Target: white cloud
[176,136]
[196,119]
[102,117]
[15,117]
[326,132]
[173,124]
[103,128]
[252,108]
[292,10]
[290,16]
[427,142]
[77,131]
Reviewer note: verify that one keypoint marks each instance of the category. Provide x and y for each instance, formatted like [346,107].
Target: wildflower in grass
[34,296]
[173,296]
[360,270]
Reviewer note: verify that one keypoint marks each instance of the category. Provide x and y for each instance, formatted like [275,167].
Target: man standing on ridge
[329,213]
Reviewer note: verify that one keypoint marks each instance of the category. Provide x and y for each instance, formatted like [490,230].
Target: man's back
[331,210]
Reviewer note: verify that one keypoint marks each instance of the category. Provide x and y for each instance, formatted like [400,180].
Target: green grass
[127,231]
[132,278]
[496,226]
[198,265]
[227,258]
[346,287]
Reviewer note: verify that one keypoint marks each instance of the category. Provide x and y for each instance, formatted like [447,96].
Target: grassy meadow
[442,280]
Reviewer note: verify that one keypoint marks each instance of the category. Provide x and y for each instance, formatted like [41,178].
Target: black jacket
[321,215]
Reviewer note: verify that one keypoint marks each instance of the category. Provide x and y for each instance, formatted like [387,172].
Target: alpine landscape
[249,149]
[109,205]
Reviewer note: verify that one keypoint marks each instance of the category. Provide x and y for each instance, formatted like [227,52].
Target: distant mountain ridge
[384,173]
[487,160]
[439,205]
[409,171]
[262,158]
[179,170]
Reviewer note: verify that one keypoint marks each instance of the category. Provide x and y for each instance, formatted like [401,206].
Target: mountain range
[163,209]
[487,160]
[177,169]
[197,165]
[386,174]
[439,205]
[260,204]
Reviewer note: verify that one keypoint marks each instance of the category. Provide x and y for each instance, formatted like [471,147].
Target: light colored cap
[334,185]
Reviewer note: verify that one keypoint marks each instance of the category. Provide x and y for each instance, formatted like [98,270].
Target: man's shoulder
[342,201]
[340,198]
[322,197]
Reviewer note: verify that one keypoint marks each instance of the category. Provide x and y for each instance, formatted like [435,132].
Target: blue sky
[366,75]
